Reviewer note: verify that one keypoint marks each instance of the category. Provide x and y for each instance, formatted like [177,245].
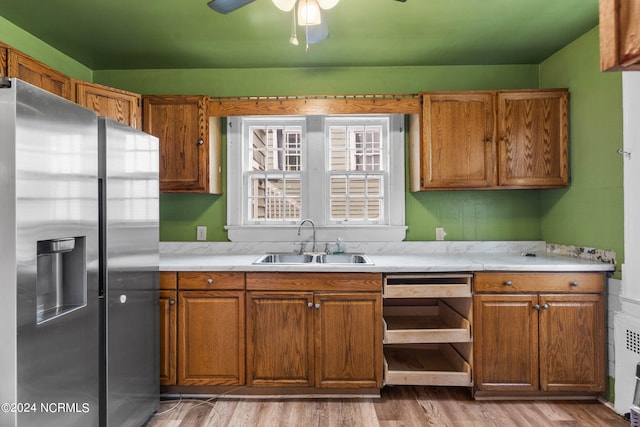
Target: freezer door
[56,254]
[133,378]
[128,172]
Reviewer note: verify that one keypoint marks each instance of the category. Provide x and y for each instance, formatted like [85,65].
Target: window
[346,173]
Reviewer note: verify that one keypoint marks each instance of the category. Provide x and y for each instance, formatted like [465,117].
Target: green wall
[589,212]
[25,42]
[484,215]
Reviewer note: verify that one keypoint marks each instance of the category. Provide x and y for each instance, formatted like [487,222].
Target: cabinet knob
[318,305]
[310,304]
[200,141]
[209,280]
[171,302]
[488,139]
[574,284]
[504,138]
[508,283]
[545,306]
[536,307]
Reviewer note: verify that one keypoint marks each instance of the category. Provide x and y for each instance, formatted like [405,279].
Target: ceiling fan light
[327,4]
[309,13]
[284,5]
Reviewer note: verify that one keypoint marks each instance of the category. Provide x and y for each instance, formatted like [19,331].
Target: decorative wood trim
[315,105]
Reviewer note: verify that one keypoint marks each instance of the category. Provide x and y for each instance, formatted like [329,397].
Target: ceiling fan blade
[226,6]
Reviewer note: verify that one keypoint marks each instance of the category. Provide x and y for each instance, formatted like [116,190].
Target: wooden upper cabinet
[457,140]
[38,74]
[182,125]
[619,35]
[533,138]
[491,140]
[3,59]
[116,104]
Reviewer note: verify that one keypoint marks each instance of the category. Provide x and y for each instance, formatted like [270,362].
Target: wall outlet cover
[201,232]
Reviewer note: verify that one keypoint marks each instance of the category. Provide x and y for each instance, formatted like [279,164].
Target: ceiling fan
[226,6]
[309,15]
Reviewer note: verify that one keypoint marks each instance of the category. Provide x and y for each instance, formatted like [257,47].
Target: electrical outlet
[201,232]
[440,233]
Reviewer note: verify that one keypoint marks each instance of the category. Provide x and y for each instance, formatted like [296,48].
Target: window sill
[289,233]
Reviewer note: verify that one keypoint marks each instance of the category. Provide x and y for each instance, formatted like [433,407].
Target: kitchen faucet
[313,249]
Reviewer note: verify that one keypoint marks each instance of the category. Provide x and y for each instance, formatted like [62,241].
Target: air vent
[633,341]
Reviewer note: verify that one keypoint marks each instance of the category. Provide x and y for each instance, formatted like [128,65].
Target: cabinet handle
[574,284]
[317,305]
[545,306]
[200,141]
[209,280]
[536,307]
[171,302]
[310,304]
[508,283]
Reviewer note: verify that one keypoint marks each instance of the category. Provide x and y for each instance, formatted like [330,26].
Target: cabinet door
[619,43]
[572,342]
[181,124]
[280,339]
[31,71]
[3,60]
[505,342]
[116,104]
[533,138]
[457,140]
[168,337]
[348,334]
[211,345]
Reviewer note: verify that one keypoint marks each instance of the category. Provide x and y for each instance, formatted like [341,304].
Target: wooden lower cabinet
[211,338]
[168,337]
[539,343]
[280,339]
[323,339]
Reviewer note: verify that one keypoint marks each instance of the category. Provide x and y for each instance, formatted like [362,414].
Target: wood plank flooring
[398,406]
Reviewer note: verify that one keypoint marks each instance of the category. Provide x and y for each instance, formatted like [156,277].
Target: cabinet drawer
[426,364]
[427,285]
[204,280]
[168,280]
[539,282]
[425,324]
[314,281]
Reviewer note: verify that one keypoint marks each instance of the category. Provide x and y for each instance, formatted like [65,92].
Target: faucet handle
[303,246]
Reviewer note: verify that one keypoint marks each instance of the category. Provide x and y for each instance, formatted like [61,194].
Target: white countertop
[417,263]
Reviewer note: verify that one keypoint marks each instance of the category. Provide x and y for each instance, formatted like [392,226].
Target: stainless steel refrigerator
[48,260]
[129,252]
[79,265]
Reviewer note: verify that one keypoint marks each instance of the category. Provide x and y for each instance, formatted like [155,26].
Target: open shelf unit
[427,329]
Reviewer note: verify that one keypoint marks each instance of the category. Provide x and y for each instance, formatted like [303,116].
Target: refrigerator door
[48,188]
[128,172]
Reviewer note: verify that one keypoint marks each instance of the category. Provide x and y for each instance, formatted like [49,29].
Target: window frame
[315,146]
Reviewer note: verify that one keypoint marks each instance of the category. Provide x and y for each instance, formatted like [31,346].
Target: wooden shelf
[427,286]
[426,364]
[425,324]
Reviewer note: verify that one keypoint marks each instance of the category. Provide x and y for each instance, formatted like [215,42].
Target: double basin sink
[312,258]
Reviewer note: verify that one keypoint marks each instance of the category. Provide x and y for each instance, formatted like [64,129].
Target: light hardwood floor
[398,406]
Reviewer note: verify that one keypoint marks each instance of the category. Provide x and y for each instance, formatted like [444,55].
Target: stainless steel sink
[321,258]
[281,258]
